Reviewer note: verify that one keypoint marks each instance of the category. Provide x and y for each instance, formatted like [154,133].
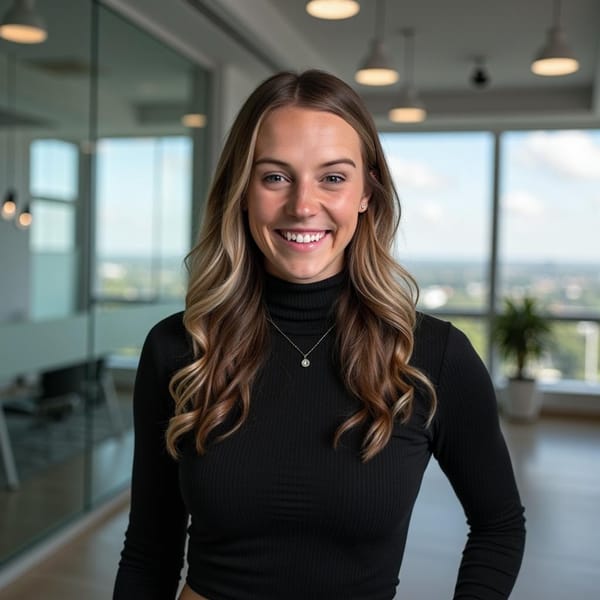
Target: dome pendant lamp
[376,68]
[409,108]
[22,24]
[332,9]
[555,58]
[10,200]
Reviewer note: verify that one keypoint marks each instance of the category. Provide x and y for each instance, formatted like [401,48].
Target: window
[549,223]
[549,216]
[54,180]
[143,217]
[444,183]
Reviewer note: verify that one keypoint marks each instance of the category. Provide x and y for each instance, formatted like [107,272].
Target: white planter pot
[523,401]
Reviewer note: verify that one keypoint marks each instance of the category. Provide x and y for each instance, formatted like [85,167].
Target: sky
[549,194]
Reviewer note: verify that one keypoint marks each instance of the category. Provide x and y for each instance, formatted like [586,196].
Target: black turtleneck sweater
[276,512]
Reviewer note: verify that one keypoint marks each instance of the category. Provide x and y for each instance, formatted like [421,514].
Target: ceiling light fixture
[22,24]
[9,205]
[25,218]
[555,58]
[376,69]
[332,9]
[193,120]
[409,108]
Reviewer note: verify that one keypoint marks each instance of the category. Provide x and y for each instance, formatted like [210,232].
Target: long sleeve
[470,449]
[152,556]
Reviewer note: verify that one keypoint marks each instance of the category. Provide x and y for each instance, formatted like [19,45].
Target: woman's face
[306,190]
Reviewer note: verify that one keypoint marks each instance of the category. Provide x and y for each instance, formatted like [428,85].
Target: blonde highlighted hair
[225,315]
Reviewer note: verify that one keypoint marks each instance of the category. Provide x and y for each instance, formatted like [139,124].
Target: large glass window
[549,215]
[444,181]
[143,217]
[549,223]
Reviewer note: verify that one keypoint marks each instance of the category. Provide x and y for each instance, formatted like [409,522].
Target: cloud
[432,212]
[570,153]
[415,174]
[521,203]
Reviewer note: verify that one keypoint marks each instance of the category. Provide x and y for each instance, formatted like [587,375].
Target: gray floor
[556,463]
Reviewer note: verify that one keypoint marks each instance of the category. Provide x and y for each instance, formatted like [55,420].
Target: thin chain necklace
[304,362]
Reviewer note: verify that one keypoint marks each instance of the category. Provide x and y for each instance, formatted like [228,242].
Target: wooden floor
[557,463]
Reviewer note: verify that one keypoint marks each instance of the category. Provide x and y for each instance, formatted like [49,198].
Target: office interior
[109,131]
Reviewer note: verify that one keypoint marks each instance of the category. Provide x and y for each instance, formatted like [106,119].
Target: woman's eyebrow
[282,163]
[270,161]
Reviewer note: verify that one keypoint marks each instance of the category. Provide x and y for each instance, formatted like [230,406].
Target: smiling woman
[307,188]
[300,475]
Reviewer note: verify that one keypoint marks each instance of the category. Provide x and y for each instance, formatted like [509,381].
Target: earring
[363,205]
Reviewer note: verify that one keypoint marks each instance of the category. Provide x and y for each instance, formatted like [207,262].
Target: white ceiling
[448,35]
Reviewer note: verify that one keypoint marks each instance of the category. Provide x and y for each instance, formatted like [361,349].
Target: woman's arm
[152,556]
[471,450]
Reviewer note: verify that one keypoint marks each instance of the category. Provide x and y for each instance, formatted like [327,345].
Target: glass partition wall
[99,128]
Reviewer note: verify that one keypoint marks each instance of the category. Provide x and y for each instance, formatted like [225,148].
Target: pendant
[305,362]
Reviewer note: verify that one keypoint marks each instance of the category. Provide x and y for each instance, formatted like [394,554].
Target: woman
[292,408]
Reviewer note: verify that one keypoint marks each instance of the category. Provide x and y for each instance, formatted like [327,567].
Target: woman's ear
[364,202]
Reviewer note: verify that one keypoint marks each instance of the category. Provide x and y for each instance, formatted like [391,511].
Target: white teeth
[300,238]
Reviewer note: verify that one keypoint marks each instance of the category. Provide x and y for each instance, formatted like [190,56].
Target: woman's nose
[302,201]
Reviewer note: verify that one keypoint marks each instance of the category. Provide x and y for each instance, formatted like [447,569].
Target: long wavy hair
[225,315]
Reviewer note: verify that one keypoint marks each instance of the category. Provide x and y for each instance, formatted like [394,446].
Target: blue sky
[549,190]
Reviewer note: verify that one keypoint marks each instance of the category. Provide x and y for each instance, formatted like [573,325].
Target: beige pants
[189,594]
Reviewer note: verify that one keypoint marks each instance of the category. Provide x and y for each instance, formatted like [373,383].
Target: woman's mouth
[302,237]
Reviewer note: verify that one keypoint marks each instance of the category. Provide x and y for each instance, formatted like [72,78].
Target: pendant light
[409,108]
[194,116]
[9,203]
[332,9]
[25,218]
[376,69]
[555,58]
[193,120]
[22,24]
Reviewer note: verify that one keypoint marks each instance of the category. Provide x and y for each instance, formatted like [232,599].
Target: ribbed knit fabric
[276,512]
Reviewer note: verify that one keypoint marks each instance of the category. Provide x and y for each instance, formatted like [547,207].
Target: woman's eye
[334,179]
[274,178]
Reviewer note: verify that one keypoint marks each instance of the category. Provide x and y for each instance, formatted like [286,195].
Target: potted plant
[521,333]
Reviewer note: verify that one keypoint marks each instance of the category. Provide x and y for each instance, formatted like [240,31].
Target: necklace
[304,362]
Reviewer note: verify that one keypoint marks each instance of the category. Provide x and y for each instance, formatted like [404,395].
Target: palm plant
[521,332]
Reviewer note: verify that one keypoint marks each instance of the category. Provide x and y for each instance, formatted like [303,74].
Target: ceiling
[263,36]
[448,37]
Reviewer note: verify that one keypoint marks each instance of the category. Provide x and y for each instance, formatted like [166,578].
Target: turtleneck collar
[302,307]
